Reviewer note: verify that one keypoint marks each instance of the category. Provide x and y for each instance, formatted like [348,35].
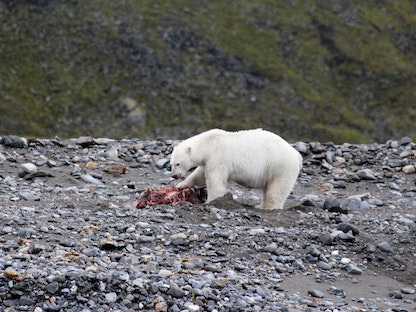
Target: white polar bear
[253,158]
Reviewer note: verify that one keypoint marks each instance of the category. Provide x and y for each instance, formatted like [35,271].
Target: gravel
[70,239]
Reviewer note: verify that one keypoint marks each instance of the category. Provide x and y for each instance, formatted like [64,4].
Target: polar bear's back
[256,155]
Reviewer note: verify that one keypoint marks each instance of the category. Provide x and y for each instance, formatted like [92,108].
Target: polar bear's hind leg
[277,191]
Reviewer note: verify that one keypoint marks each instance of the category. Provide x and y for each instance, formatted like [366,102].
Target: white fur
[253,158]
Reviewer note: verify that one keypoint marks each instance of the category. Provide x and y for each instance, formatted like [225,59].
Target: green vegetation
[309,70]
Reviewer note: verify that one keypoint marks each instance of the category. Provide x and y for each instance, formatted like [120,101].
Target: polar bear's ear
[189,150]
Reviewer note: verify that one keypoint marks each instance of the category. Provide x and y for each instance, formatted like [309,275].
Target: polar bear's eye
[177,165]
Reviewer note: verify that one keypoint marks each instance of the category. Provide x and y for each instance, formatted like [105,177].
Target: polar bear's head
[181,161]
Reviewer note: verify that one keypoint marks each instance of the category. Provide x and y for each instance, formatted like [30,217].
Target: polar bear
[256,159]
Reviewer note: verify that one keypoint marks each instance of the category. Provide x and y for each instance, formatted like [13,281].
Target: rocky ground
[72,240]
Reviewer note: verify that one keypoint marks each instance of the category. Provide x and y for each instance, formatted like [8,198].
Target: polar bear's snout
[176,175]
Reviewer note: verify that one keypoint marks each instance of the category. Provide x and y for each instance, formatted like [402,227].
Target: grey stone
[29,196]
[52,287]
[315,293]
[385,247]
[175,291]
[14,141]
[353,269]
[347,227]
[366,174]
[111,297]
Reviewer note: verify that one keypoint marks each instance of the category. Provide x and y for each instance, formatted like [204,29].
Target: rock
[112,153]
[385,247]
[350,205]
[326,239]
[302,148]
[395,295]
[256,232]
[2,158]
[87,178]
[353,269]
[108,244]
[26,232]
[347,227]
[29,168]
[161,163]
[11,273]
[337,292]
[409,169]
[175,291]
[116,169]
[405,140]
[315,293]
[366,174]
[29,196]
[91,165]
[85,141]
[14,141]
[270,247]
[160,304]
[111,297]
[52,288]
[408,290]
[332,205]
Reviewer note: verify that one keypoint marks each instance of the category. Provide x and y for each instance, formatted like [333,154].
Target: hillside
[309,70]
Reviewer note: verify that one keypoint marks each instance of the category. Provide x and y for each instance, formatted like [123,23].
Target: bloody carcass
[168,195]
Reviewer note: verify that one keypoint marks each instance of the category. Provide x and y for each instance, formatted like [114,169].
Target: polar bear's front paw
[182,185]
